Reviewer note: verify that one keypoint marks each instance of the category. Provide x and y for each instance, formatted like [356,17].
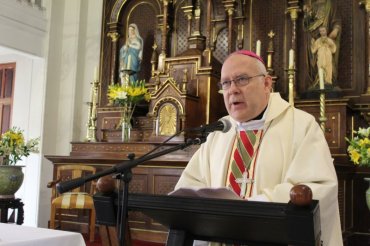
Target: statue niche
[322,31]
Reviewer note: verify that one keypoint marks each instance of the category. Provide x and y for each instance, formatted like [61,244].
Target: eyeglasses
[240,81]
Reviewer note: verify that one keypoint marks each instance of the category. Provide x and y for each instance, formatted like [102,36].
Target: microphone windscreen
[227,125]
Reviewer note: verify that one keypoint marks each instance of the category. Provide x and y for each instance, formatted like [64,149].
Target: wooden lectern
[220,220]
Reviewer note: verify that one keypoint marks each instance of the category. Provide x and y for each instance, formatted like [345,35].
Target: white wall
[74,51]
[23,27]
[88,59]
[53,85]
[27,114]
[23,41]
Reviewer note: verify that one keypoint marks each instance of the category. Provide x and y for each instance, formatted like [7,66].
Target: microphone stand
[122,214]
[124,168]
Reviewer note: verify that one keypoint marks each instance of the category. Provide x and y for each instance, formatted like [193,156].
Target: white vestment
[293,151]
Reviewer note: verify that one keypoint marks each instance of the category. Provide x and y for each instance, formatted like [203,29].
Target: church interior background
[57,45]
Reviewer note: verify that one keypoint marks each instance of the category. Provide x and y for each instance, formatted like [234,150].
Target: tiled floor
[97,241]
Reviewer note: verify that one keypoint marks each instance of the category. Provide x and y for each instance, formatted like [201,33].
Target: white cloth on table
[16,235]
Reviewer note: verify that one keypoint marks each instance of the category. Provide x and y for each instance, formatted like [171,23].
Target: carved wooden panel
[345,71]
[337,125]
[160,181]
[180,30]
[139,183]
[163,184]
[221,45]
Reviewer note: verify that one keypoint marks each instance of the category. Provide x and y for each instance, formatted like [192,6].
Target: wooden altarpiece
[181,75]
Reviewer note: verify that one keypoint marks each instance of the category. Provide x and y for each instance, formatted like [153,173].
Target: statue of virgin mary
[131,54]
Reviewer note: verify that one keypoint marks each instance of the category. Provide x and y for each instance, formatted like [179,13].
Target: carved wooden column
[270,53]
[163,55]
[114,61]
[188,12]
[154,58]
[293,10]
[197,40]
[366,3]
[229,6]
[208,28]
[164,27]
[197,13]
[208,51]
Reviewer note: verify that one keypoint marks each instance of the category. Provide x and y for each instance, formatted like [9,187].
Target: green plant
[359,147]
[13,146]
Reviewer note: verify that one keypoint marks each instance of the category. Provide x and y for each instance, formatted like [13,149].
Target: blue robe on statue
[130,57]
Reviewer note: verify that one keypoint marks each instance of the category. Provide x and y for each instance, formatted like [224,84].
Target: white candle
[96,73]
[92,93]
[321,78]
[157,127]
[258,48]
[291,59]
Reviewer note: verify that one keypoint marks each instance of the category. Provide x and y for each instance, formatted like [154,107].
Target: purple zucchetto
[248,53]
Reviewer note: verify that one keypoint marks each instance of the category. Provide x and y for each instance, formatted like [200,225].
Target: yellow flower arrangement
[127,96]
[359,147]
[121,95]
[13,146]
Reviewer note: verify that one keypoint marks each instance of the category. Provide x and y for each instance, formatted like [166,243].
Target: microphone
[223,125]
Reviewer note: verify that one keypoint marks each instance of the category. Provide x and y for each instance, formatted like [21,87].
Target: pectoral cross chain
[243,183]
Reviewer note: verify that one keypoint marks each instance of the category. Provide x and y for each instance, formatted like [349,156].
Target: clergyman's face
[244,103]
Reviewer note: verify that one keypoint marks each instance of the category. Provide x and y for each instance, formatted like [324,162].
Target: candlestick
[321,78]
[322,117]
[291,74]
[291,59]
[269,62]
[258,48]
[91,124]
[96,74]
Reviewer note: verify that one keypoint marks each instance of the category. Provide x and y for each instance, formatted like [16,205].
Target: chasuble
[293,151]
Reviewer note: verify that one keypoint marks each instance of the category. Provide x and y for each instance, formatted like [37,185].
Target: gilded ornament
[167,120]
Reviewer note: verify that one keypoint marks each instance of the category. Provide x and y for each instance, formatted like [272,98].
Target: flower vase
[368,194]
[126,122]
[126,130]
[11,179]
